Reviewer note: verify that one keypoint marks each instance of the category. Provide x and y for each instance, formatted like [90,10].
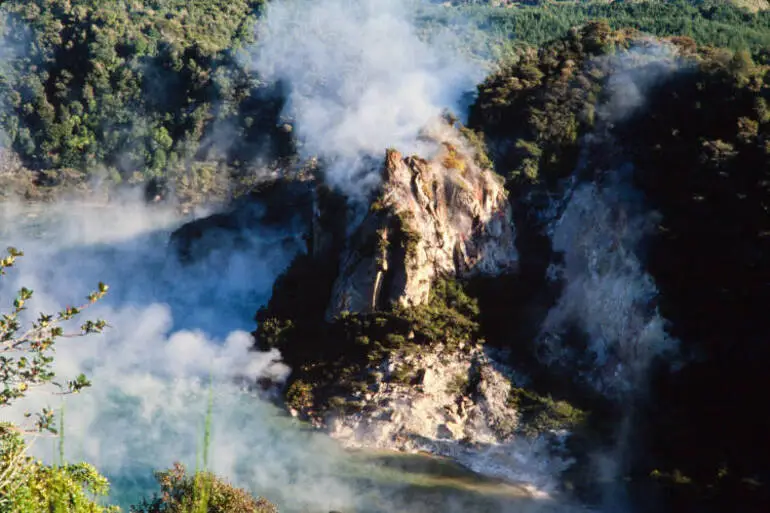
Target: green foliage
[403,374]
[299,395]
[450,316]
[141,88]
[458,385]
[25,353]
[181,493]
[203,492]
[543,100]
[452,159]
[406,236]
[28,486]
[541,413]
[476,141]
[710,22]
[273,331]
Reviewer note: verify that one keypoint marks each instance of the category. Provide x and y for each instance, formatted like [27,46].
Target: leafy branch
[25,354]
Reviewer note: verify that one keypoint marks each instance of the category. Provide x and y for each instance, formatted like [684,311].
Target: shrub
[182,493]
[402,374]
[25,353]
[458,385]
[543,413]
[28,486]
[299,395]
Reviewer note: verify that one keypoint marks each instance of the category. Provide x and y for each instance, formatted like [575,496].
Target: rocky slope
[457,404]
[451,396]
[383,341]
[441,217]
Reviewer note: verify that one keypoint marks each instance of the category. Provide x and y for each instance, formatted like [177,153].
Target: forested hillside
[642,126]
[133,90]
[697,148]
[143,88]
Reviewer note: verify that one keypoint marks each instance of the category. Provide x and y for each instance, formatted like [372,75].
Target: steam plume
[171,328]
[359,80]
[607,293]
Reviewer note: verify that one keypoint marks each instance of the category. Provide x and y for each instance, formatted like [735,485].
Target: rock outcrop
[453,403]
[283,205]
[430,401]
[406,370]
[441,217]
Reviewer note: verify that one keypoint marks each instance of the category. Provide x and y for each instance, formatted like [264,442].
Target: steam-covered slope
[670,139]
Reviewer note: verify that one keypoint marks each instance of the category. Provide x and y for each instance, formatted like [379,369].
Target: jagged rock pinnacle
[443,217]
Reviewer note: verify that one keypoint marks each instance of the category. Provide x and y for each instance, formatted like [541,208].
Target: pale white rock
[461,399]
[476,427]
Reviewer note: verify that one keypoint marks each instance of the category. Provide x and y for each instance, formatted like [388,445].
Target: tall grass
[62,461]
[203,478]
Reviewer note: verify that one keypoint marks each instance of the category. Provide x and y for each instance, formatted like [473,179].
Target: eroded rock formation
[441,217]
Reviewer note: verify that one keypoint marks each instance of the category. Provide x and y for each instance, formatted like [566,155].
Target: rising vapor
[605,329]
[359,80]
[172,328]
[607,293]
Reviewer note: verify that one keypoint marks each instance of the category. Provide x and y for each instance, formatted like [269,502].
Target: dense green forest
[160,90]
[699,152]
[134,90]
[708,22]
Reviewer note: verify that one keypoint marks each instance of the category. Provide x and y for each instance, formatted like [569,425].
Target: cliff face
[441,217]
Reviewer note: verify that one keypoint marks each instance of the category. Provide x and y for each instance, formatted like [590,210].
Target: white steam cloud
[633,73]
[359,80]
[607,293]
[172,329]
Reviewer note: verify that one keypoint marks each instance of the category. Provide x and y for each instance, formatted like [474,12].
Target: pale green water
[427,483]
